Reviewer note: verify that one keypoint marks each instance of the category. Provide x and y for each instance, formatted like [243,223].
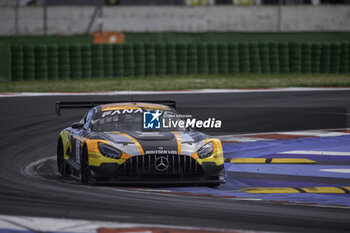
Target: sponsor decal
[161,152]
[124,111]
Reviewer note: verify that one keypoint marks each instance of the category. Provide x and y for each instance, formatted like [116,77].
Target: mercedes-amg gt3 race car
[112,145]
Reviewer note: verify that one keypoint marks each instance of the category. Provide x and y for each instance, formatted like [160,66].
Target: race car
[114,144]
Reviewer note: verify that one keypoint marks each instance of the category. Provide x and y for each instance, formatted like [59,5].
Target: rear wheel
[84,167]
[60,158]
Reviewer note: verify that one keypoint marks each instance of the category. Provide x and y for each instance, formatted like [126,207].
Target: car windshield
[133,120]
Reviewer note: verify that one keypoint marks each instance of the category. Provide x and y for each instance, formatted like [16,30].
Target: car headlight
[109,151]
[205,151]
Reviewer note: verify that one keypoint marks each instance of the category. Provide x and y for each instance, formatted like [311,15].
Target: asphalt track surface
[29,130]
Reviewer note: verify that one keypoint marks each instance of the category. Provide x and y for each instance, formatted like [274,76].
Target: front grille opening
[160,165]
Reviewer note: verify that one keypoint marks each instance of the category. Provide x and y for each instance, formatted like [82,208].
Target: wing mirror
[76,125]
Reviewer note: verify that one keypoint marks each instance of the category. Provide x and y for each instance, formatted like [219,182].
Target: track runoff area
[299,167]
[291,167]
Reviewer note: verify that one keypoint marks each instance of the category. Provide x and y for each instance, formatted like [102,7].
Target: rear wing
[90,104]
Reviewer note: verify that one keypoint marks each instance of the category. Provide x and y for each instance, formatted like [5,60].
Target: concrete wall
[75,20]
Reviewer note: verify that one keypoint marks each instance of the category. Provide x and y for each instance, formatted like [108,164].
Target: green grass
[154,83]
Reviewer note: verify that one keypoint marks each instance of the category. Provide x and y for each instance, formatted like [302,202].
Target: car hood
[137,143]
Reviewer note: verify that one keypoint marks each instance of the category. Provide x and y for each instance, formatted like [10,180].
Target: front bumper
[159,182]
[207,173]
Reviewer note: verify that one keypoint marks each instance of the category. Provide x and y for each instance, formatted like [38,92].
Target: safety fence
[41,62]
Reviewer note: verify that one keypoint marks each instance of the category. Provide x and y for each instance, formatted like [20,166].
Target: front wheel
[84,167]
[60,158]
[213,185]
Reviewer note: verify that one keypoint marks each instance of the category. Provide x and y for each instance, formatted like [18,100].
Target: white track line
[39,224]
[315,133]
[201,91]
[312,152]
[336,170]
[299,132]
[233,138]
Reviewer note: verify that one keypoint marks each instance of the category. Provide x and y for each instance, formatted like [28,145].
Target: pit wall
[75,20]
[42,62]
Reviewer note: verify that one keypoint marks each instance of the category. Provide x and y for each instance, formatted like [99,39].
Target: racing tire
[84,167]
[60,158]
[215,185]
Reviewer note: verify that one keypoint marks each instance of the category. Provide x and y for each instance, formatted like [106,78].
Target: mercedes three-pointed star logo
[161,163]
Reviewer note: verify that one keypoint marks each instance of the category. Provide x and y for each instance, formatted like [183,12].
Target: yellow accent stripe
[289,160]
[135,141]
[96,159]
[178,140]
[93,145]
[114,107]
[274,160]
[248,160]
[195,156]
[66,144]
[267,190]
[125,156]
[323,190]
[270,190]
